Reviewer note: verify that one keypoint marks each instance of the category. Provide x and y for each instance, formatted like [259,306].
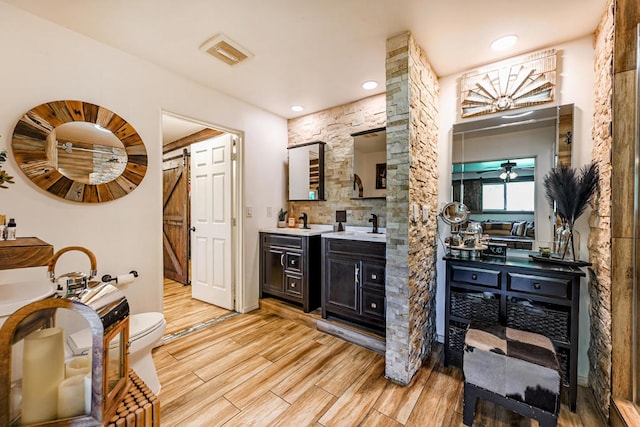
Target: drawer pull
[474,276]
[293,262]
[536,286]
[374,305]
[293,285]
[374,277]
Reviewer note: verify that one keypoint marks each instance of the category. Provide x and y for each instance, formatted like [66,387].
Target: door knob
[193,228]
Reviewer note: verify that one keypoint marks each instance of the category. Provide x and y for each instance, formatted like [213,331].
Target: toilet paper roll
[123,279]
[74,396]
[80,365]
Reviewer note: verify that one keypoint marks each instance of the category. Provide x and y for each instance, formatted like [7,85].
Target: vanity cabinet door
[341,291]
[273,277]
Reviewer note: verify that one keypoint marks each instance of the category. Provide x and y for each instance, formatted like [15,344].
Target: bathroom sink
[16,295]
[367,236]
[313,231]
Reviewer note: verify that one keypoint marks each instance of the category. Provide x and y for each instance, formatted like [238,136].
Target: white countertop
[315,230]
[366,236]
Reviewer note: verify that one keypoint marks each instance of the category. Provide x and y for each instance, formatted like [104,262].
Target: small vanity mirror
[370,164]
[79,151]
[306,171]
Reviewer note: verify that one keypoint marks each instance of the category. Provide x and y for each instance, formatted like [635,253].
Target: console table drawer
[548,286]
[476,276]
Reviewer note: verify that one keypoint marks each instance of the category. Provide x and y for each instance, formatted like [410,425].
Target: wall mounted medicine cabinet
[306,171]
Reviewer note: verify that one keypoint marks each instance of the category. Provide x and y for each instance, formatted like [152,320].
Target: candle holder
[37,392]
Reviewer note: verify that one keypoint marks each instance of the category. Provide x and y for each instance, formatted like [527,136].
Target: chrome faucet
[374,221]
[304,220]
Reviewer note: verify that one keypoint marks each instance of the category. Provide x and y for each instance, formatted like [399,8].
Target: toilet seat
[140,326]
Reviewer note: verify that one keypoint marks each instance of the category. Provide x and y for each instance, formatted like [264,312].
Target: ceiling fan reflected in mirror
[508,173]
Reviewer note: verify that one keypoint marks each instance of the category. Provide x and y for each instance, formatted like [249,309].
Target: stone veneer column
[412,179]
[600,221]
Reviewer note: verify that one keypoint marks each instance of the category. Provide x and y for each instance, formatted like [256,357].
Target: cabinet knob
[293,285]
[536,286]
[374,305]
[374,276]
[474,277]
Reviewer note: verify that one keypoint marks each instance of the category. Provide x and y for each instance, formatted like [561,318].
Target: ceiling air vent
[226,50]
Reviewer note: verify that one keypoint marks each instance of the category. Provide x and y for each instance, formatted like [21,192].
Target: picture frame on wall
[381,176]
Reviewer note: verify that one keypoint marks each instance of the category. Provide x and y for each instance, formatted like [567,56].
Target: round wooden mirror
[79,151]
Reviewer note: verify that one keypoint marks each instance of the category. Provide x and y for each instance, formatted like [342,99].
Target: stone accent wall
[335,126]
[600,221]
[412,179]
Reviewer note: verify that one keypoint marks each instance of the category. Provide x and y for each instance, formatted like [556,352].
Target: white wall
[44,62]
[574,79]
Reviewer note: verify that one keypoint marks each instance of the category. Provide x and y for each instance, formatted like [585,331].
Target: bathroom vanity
[353,278]
[290,266]
[24,252]
[530,296]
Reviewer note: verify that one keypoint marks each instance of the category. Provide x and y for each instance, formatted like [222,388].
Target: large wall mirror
[370,164]
[306,171]
[79,151]
[498,167]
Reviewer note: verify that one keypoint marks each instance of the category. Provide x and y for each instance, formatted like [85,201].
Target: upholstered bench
[516,369]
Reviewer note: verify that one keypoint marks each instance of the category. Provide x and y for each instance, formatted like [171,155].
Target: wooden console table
[520,294]
[24,252]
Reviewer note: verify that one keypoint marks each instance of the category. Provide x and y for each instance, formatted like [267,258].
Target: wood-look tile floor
[261,369]
[181,311]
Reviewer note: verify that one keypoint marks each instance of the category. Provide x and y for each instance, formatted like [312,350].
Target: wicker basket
[456,337]
[563,359]
[471,307]
[540,319]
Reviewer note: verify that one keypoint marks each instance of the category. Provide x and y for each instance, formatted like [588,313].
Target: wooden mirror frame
[29,150]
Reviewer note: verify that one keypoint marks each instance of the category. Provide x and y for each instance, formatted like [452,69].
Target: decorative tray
[558,261]
[464,248]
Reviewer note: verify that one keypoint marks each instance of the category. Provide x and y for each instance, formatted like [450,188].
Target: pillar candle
[43,370]
[74,396]
[80,365]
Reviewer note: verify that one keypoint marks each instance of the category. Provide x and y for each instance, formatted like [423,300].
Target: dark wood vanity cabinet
[353,278]
[290,268]
[535,297]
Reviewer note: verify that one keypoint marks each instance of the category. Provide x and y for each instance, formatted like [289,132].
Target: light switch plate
[249,211]
[425,213]
[415,212]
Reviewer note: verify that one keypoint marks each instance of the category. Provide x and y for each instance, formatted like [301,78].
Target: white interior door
[211,221]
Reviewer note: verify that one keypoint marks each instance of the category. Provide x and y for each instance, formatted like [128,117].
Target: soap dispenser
[11,229]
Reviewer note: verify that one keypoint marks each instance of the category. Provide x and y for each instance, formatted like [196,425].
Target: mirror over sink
[79,151]
[306,171]
[498,167]
[370,164]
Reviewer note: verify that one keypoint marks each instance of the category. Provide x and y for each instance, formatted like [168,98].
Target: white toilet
[145,333]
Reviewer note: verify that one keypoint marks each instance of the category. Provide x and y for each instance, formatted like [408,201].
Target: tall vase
[568,242]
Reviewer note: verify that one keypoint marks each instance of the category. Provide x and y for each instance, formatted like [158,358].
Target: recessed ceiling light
[504,43]
[297,108]
[369,85]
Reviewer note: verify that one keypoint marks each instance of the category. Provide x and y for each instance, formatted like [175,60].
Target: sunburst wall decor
[507,85]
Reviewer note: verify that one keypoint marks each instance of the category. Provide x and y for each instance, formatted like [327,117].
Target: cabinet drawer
[293,285]
[548,286]
[373,304]
[476,276]
[372,275]
[293,261]
[281,240]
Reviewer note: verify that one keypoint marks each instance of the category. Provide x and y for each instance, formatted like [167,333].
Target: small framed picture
[381,176]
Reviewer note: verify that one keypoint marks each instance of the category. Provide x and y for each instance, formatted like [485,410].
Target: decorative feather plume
[571,190]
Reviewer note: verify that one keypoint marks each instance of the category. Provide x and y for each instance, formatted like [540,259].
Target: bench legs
[472,393]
